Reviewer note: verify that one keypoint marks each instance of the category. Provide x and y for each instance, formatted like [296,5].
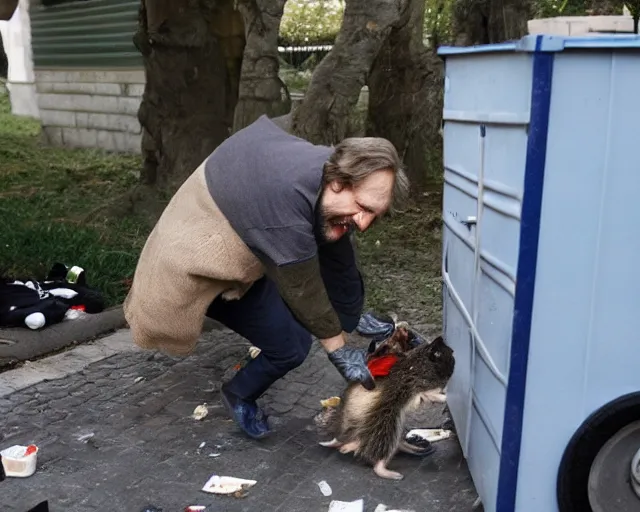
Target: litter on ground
[325,488]
[227,484]
[346,506]
[383,508]
[333,401]
[83,438]
[200,412]
[19,461]
[429,434]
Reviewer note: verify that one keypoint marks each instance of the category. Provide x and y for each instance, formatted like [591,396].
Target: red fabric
[380,366]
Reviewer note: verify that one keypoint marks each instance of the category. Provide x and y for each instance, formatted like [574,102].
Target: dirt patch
[400,259]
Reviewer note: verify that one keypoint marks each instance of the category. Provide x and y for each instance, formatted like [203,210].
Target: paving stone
[145,447]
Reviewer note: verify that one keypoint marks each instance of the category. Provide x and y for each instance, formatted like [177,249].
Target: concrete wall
[91,108]
[581,25]
[78,107]
[16,35]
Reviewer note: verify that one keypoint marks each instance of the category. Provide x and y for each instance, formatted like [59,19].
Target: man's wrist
[334,343]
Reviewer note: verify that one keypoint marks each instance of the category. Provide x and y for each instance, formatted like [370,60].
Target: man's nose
[363,220]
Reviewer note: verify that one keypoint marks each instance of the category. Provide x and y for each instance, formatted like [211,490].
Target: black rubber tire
[586,442]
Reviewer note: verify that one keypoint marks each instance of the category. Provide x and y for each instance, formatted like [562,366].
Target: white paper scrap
[383,508]
[430,434]
[227,484]
[325,488]
[346,506]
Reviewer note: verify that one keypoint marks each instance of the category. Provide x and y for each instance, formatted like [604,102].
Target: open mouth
[340,227]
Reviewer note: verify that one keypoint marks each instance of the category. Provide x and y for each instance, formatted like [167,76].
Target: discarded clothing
[37,304]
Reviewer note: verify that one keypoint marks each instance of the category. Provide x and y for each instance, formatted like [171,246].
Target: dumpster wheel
[601,462]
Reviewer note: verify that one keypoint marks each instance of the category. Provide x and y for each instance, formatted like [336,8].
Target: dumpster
[541,269]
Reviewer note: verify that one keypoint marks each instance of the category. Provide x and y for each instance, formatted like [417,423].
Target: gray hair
[355,158]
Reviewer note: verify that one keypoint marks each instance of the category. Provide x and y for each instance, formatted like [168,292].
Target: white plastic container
[17,464]
[541,268]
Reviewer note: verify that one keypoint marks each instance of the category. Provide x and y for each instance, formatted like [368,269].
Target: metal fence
[296,56]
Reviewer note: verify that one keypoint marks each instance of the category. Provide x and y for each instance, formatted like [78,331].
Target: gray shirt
[267,183]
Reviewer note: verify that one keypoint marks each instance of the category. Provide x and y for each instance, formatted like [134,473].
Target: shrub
[310,22]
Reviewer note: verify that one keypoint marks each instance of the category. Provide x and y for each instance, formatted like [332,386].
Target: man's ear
[337,186]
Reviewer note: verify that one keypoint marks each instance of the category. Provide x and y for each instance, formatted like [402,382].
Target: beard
[333,227]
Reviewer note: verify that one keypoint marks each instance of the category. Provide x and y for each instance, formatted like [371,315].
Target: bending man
[258,238]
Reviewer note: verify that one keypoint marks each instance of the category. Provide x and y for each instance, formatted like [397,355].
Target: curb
[65,363]
[22,344]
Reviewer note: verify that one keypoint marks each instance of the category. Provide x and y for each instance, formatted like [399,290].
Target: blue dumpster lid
[548,43]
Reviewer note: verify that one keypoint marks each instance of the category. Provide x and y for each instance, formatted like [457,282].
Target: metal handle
[470,221]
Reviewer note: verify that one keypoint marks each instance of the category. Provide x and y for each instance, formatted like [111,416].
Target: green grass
[46,192]
[401,262]
[295,80]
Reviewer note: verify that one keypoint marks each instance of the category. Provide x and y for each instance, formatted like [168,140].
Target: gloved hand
[352,365]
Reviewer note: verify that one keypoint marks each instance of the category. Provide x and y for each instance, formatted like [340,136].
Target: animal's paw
[435,396]
[380,470]
[349,447]
[441,398]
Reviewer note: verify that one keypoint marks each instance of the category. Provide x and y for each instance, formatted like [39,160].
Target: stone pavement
[112,442]
[19,344]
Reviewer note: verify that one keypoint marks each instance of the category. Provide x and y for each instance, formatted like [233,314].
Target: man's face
[358,206]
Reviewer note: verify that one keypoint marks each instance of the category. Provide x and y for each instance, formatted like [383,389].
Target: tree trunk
[192,54]
[405,96]
[490,21]
[4,60]
[261,90]
[7,8]
[323,116]
[634,10]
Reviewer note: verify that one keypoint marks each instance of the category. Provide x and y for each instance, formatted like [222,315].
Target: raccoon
[370,424]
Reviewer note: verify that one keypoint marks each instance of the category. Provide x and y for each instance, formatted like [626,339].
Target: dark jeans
[263,318]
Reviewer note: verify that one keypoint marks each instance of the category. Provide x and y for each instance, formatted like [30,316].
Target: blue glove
[378,328]
[352,365]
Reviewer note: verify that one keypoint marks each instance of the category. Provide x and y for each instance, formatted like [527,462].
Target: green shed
[88,74]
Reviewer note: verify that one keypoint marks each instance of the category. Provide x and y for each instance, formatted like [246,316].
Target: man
[258,239]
